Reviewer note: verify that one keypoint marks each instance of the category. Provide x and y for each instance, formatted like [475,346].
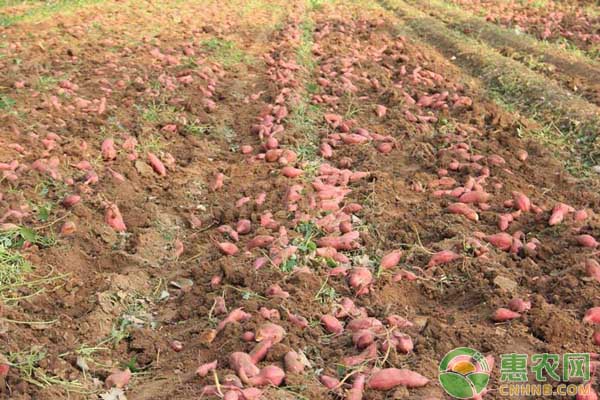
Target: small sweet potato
[389,378]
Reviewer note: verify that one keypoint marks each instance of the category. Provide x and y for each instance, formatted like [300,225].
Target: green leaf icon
[456,385]
[479,380]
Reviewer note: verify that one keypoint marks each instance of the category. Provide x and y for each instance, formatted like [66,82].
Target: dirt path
[307,159]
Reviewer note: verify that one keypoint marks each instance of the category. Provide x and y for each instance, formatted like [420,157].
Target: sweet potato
[237,315]
[363,338]
[504,221]
[586,241]
[260,198]
[347,241]
[259,352]
[592,316]
[243,366]
[240,203]
[358,386]
[592,268]
[204,369]
[380,110]
[298,320]
[522,155]
[346,308]
[385,147]
[261,241]
[271,143]
[368,354]
[293,362]
[233,394]
[475,196]
[116,176]
[70,200]
[519,305]
[269,375]
[271,315]
[227,248]
[156,164]
[326,150]
[463,209]
[521,201]
[291,172]
[108,150]
[217,182]
[365,323]
[586,392]
[332,324]
[329,382]
[502,240]
[399,341]
[398,321]
[243,226]
[559,212]
[580,215]
[118,379]
[276,291]
[68,228]
[389,378]
[270,331]
[228,230]
[246,149]
[114,218]
[345,226]
[360,279]
[504,314]
[442,257]
[390,260]
[129,143]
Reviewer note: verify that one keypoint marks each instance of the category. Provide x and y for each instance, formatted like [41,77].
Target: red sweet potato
[108,149]
[463,209]
[390,260]
[293,362]
[227,248]
[592,268]
[332,324]
[118,379]
[114,218]
[261,241]
[586,241]
[519,305]
[269,375]
[504,314]
[270,331]
[502,240]
[243,366]
[442,257]
[521,201]
[592,316]
[204,369]
[156,164]
[389,378]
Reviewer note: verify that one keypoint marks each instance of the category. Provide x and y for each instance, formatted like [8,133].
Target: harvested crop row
[531,93]
[106,155]
[563,22]
[577,73]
